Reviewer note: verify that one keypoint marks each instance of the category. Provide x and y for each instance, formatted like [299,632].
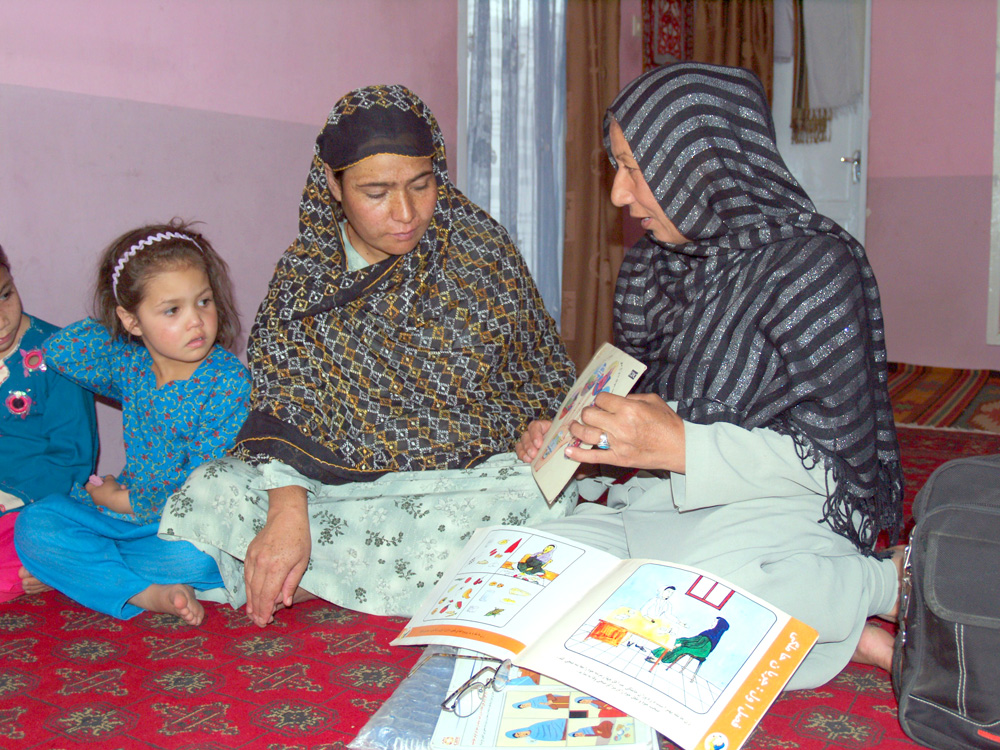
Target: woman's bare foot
[874,648]
[30,584]
[898,554]
[300,595]
[172,599]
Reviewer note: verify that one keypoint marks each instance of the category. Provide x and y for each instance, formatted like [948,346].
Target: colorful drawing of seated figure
[547,701]
[603,709]
[657,609]
[534,564]
[598,730]
[552,730]
[527,677]
[599,380]
[697,647]
[570,403]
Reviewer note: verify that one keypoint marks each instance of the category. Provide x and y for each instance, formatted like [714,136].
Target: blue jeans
[102,562]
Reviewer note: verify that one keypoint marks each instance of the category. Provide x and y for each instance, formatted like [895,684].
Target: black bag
[946,660]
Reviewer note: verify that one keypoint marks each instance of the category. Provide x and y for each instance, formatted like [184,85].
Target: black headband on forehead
[374,130]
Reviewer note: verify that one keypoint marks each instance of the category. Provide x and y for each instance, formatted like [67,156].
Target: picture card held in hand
[610,370]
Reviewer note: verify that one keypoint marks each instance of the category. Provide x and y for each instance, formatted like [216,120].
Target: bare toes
[30,584]
[874,648]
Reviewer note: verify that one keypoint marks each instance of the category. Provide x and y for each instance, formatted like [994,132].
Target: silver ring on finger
[602,442]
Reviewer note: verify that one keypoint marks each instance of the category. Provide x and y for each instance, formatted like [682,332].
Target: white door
[833,173]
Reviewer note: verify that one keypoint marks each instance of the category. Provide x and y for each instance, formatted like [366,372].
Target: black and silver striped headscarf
[770,316]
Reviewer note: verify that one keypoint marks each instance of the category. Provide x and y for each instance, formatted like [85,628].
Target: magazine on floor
[534,709]
[611,370]
[698,659]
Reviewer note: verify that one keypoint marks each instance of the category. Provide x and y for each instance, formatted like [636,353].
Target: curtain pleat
[736,32]
[593,241]
[516,127]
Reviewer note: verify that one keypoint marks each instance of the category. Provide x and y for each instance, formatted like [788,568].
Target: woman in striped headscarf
[764,414]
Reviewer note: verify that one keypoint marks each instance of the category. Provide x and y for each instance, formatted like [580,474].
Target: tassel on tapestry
[809,124]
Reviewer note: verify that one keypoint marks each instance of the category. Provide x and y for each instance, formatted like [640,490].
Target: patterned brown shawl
[430,360]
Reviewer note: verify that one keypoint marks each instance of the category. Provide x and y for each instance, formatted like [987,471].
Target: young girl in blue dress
[48,431]
[165,311]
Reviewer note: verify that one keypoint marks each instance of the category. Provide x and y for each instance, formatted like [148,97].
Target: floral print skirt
[377,547]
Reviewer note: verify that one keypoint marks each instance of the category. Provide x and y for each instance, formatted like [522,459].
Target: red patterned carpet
[74,679]
[70,679]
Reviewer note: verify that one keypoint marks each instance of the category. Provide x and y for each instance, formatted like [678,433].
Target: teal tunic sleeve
[71,427]
[48,429]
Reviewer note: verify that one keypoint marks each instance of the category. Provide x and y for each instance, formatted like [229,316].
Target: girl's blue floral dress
[102,558]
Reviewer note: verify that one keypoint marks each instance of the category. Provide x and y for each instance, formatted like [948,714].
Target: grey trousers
[748,511]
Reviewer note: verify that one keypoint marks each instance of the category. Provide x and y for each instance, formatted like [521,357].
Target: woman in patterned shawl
[400,350]
[764,409]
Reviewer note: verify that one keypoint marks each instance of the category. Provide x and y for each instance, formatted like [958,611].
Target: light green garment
[748,511]
[355,261]
[378,547]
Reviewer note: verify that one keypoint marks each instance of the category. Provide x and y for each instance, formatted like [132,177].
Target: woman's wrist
[292,499]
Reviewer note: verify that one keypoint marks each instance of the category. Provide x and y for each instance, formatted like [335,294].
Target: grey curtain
[517,127]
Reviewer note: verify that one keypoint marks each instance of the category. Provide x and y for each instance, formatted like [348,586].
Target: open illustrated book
[534,708]
[690,655]
[611,370]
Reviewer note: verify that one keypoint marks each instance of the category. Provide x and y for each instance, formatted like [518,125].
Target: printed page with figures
[533,708]
[610,370]
[491,600]
[696,658]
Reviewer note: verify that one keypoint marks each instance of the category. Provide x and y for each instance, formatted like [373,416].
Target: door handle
[855,162]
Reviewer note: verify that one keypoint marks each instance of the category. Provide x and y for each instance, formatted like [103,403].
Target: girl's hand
[109,494]
[531,441]
[278,556]
[642,432]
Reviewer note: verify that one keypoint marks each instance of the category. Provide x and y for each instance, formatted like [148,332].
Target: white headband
[145,242]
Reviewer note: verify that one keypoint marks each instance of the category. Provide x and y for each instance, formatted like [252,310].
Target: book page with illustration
[531,708]
[681,650]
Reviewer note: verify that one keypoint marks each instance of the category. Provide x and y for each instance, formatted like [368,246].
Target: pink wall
[929,173]
[287,60]
[932,78]
[117,113]
[929,178]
